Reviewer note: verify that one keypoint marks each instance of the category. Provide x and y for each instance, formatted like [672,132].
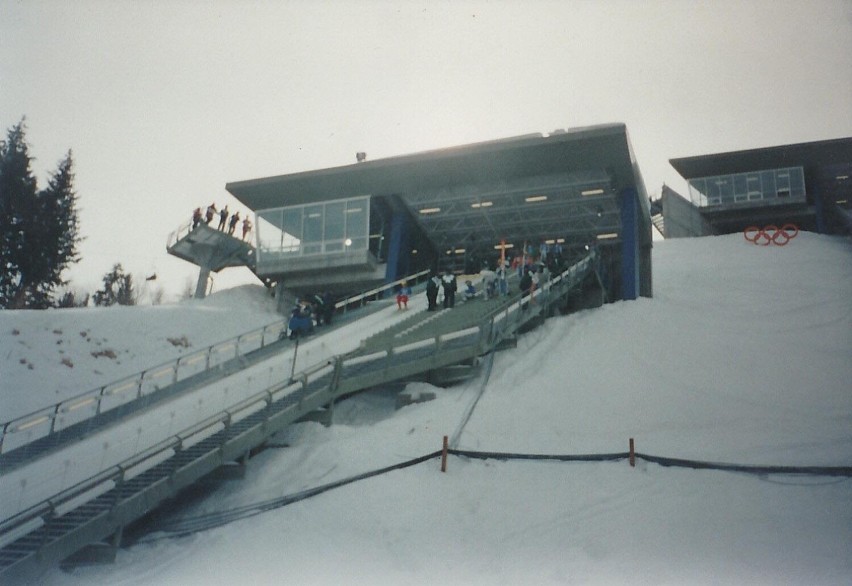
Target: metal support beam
[398,247]
[629,245]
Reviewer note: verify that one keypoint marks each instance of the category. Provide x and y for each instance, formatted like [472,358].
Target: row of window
[321,228]
[775,184]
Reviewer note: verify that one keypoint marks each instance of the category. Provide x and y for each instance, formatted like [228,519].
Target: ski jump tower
[212,250]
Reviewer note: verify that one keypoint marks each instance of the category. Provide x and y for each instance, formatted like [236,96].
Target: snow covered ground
[742,356]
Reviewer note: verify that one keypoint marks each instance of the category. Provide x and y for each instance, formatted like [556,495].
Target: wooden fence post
[632,454]
[444,456]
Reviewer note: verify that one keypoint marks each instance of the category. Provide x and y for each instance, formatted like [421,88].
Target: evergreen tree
[71,298]
[118,289]
[38,229]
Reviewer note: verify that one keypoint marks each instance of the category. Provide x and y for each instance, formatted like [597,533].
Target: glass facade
[774,185]
[332,227]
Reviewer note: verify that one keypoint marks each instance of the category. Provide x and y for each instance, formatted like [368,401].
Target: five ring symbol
[771,234]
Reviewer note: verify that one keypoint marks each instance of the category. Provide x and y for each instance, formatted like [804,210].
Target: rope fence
[188,526]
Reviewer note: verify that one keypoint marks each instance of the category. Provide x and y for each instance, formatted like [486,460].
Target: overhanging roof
[503,173]
[807,154]
[594,147]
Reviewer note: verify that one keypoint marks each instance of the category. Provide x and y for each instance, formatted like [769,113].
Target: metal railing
[146,384]
[182,231]
[256,410]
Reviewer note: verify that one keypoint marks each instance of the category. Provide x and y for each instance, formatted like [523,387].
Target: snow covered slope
[743,356]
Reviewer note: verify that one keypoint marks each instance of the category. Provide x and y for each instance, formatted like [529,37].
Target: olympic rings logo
[771,234]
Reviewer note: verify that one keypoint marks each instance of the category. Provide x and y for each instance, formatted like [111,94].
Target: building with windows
[351,228]
[374,221]
[806,184]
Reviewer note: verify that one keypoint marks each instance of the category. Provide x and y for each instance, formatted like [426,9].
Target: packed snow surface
[744,355]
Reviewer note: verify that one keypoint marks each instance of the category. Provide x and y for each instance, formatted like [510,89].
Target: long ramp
[191,436]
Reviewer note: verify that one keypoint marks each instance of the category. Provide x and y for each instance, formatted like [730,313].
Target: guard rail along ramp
[238,413]
[31,435]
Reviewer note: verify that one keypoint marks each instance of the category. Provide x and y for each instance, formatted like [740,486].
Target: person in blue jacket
[402,296]
[301,321]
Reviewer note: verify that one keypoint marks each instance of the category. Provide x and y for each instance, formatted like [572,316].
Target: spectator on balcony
[211,211]
[232,225]
[223,218]
[196,218]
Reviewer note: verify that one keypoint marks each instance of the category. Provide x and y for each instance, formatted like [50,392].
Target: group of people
[495,282]
[448,283]
[225,224]
[309,310]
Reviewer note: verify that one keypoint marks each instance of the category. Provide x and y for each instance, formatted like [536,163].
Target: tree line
[40,236]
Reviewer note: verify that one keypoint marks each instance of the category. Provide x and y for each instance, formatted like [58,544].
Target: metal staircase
[98,508]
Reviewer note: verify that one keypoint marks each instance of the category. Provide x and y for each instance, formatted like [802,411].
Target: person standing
[489,282]
[525,286]
[402,296]
[432,287]
[327,307]
[450,285]
[502,279]
[211,211]
[232,225]
[223,218]
[246,227]
[196,218]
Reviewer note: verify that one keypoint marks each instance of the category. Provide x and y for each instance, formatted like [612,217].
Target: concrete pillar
[201,285]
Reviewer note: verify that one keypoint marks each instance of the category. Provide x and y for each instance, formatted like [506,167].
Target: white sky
[163,103]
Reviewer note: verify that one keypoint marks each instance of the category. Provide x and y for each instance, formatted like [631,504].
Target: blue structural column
[819,210]
[398,247]
[629,244]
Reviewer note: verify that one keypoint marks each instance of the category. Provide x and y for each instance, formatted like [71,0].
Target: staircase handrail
[115,473]
[46,421]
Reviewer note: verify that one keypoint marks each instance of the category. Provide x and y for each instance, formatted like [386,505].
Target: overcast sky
[163,103]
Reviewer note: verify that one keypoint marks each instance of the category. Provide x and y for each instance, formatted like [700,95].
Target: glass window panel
[269,233]
[725,188]
[357,222]
[782,182]
[334,221]
[312,221]
[797,183]
[740,187]
[293,222]
[696,192]
[293,230]
[711,190]
[767,183]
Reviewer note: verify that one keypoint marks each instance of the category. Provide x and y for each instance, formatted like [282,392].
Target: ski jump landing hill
[76,473]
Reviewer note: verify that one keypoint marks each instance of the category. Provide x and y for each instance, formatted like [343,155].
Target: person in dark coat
[232,225]
[196,218]
[526,286]
[223,218]
[432,287]
[327,308]
[317,307]
[450,285]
